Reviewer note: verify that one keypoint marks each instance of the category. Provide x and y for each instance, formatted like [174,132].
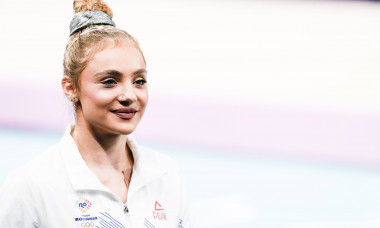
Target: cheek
[143,97]
[95,99]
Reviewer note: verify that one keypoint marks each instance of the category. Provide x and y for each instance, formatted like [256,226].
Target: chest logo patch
[83,204]
[159,212]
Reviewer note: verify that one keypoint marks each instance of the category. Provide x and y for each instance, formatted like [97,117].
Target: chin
[125,130]
[119,127]
[116,129]
[119,130]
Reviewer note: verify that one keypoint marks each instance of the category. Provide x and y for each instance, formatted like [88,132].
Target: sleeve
[13,210]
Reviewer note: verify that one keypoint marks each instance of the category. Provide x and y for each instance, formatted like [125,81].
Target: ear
[69,88]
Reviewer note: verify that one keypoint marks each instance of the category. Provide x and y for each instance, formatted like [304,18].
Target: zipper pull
[126,209]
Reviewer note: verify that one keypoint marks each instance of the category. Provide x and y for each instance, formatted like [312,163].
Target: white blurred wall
[288,77]
[295,80]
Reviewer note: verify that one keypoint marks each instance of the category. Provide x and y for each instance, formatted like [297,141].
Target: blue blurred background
[271,108]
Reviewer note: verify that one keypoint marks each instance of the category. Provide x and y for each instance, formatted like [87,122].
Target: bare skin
[107,156]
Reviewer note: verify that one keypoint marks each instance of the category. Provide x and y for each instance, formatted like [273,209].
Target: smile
[125,113]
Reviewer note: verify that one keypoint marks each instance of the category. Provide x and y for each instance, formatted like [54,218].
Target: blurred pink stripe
[260,130]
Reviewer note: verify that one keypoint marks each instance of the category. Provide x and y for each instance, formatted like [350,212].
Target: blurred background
[271,108]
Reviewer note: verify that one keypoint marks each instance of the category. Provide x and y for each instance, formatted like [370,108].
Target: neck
[102,150]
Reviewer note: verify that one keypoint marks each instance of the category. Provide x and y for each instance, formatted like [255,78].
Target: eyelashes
[140,82]
[111,82]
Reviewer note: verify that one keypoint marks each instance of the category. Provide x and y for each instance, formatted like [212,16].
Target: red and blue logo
[83,204]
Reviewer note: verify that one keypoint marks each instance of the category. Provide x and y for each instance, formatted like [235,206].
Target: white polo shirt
[57,189]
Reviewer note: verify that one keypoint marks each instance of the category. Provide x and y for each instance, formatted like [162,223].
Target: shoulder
[21,193]
[31,174]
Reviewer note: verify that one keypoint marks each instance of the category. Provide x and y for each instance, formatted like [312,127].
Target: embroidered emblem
[159,212]
[83,204]
[158,207]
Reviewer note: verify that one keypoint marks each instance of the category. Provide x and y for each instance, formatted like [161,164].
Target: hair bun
[91,5]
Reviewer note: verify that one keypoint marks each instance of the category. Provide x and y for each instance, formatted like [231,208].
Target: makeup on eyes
[109,78]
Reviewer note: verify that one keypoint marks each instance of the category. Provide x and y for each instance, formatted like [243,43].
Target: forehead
[120,56]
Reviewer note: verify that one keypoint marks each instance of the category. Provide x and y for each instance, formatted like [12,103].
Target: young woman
[97,175]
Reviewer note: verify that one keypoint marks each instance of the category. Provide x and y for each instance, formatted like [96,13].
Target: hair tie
[84,19]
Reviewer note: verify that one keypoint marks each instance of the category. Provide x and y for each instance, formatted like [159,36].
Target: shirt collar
[145,168]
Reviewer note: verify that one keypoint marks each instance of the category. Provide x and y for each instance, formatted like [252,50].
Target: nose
[127,95]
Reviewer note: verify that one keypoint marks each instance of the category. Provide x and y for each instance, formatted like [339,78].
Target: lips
[125,113]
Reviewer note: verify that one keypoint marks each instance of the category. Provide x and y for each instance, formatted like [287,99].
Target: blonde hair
[85,43]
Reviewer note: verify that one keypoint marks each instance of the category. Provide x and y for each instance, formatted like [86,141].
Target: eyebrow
[113,73]
[139,72]
[116,73]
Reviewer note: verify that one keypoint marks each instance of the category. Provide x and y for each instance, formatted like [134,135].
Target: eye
[141,81]
[109,82]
